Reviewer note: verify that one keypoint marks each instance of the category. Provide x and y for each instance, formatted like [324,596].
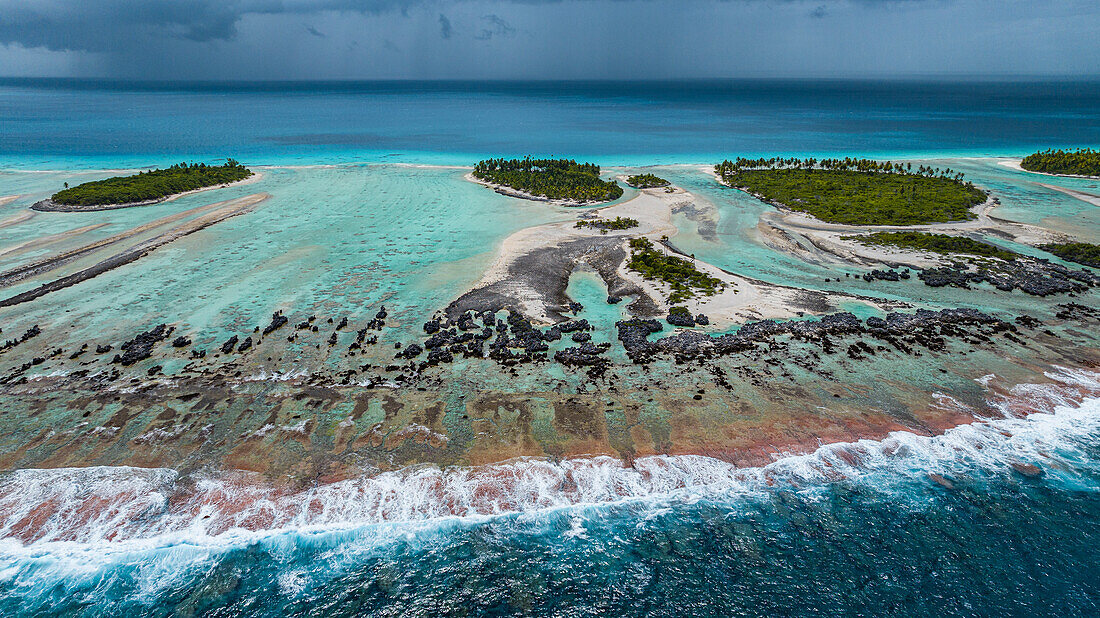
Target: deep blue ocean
[995,519]
[46,123]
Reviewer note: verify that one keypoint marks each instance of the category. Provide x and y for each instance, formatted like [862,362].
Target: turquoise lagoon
[369,208]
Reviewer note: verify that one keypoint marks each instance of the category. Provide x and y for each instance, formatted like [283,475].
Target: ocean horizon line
[108,83]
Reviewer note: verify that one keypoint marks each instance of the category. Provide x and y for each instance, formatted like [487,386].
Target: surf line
[221,212]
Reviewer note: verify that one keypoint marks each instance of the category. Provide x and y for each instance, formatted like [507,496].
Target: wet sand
[49,239]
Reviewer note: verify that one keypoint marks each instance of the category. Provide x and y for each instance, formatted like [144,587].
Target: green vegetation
[558,179]
[152,185]
[680,274]
[1080,252]
[856,191]
[618,223]
[936,243]
[646,181]
[1080,162]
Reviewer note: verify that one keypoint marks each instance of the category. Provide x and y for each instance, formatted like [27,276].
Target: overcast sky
[546,39]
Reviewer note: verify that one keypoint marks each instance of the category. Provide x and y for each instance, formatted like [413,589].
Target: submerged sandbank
[219,212]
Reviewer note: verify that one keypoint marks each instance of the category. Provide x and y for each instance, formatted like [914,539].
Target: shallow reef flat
[367,318]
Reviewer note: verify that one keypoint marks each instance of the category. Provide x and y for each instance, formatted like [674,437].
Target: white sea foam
[105,513]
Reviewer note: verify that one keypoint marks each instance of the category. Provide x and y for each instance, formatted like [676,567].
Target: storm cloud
[423,39]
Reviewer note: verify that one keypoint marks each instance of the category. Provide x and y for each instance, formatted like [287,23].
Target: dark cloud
[495,26]
[546,39]
[104,25]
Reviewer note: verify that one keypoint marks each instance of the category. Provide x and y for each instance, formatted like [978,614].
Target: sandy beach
[741,299]
[1015,164]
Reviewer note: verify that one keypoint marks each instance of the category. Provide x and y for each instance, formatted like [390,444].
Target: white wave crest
[119,509]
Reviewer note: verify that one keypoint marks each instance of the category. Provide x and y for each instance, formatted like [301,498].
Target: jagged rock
[181,342]
[411,351]
[439,355]
[574,326]
[585,355]
[245,345]
[633,334]
[581,337]
[229,344]
[680,316]
[141,346]
[1076,311]
[614,300]
[103,349]
[277,320]
[702,320]
[1034,276]
[31,333]
[466,322]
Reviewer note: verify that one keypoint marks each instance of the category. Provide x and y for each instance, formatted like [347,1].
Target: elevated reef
[144,188]
[856,191]
[565,180]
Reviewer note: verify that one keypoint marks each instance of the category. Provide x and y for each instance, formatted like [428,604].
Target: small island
[936,243]
[856,191]
[681,275]
[1080,162]
[647,181]
[143,188]
[1079,252]
[565,180]
[618,223]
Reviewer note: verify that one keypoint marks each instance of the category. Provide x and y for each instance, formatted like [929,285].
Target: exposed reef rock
[141,346]
[1037,277]
[277,320]
[924,327]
